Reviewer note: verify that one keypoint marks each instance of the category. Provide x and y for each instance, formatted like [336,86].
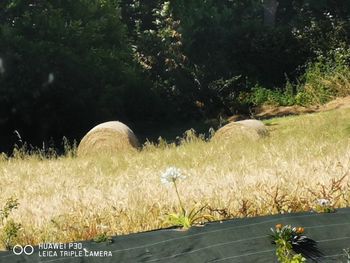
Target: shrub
[9,228]
[263,96]
[325,79]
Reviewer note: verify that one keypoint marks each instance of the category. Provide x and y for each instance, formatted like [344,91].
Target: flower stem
[178,196]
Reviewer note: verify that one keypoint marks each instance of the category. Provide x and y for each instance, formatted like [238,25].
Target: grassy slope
[72,199]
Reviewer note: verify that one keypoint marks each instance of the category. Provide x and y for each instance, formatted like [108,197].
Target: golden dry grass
[69,198]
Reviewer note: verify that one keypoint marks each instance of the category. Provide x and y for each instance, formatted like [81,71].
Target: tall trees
[67,65]
[158,48]
[209,51]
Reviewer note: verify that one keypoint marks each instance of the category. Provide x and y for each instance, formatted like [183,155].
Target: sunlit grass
[69,198]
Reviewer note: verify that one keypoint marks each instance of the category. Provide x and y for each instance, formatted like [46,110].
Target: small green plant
[287,238]
[9,233]
[324,206]
[103,237]
[9,228]
[184,219]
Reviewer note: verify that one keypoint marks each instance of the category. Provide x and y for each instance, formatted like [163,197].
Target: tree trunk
[270,9]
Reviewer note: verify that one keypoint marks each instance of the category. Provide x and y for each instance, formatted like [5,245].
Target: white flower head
[323,202]
[171,175]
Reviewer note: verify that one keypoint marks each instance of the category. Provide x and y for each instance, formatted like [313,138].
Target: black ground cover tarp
[238,240]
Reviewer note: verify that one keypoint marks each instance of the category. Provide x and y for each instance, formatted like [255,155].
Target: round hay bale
[251,129]
[108,138]
[256,124]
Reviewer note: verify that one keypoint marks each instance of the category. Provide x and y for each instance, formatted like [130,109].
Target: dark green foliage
[67,65]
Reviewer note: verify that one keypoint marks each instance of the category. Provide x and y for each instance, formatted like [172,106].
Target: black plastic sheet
[237,240]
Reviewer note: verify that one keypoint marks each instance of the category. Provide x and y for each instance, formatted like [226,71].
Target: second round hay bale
[108,138]
[251,129]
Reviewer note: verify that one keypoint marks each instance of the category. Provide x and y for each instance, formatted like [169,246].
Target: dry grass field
[305,158]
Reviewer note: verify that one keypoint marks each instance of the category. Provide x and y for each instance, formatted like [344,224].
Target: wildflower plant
[184,219]
[290,241]
[324,206]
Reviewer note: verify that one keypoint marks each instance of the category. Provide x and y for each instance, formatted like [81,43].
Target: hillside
[305,158]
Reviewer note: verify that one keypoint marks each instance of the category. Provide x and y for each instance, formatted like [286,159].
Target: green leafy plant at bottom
[103,237]
[9,229]
[290,242]
[9,233]
[285,254]
[186,220]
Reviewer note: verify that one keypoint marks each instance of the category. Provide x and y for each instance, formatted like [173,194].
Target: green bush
[9,229]
[263,96]
[326,78]
[10,233]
